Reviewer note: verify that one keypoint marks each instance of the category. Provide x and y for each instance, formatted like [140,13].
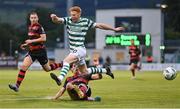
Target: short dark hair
[32,13]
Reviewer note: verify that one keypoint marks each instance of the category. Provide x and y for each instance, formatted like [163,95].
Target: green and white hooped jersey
[77,31]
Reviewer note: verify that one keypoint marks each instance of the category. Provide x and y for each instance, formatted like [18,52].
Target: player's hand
[54,98]
[28,41]
[53,16]
[119,29]
[24,46]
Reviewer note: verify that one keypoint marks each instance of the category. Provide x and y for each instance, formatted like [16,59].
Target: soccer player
[36,51]
[134,53]
[77,28]
[77,86]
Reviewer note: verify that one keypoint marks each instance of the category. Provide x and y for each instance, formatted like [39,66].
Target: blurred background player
[77,28]
[36,50]
[134,53]
[77,86]
[96,63]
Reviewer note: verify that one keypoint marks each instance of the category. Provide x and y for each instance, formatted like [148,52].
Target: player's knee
[24,67]
[70,59]
[46,69]
[133,65]
[132,68]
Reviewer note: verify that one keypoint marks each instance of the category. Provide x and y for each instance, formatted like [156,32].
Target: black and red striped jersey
[78,78]
[34,32]
[134,52]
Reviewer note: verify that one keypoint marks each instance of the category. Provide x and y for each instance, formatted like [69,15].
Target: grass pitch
[148,90]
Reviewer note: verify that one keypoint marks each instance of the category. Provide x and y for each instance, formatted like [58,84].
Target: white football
[170,73]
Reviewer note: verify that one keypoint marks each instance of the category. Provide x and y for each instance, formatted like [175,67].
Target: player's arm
[96,76]
[138,51]
[56,19]
[140,55]
[42,38]
[108,27]
[59,93]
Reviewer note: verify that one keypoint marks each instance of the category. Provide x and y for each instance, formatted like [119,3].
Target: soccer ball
[170,73]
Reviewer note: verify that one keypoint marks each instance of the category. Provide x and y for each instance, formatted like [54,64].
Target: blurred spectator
[96,62]
[149,59]
[3,55]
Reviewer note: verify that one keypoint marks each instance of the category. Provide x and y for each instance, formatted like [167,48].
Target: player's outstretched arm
[108,27]
[59,94]
[56,19]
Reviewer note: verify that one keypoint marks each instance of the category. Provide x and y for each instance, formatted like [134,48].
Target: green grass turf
[149,90]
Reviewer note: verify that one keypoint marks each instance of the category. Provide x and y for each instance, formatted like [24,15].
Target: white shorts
[80,53]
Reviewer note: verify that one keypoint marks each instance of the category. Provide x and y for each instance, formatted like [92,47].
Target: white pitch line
[28,98]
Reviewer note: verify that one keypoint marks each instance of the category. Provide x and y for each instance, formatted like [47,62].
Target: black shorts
[73,94]
[134,61]
[40,55]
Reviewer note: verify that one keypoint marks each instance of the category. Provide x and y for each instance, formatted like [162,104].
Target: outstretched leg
[26,63]
[66,66]
[106,70]
[53,66]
